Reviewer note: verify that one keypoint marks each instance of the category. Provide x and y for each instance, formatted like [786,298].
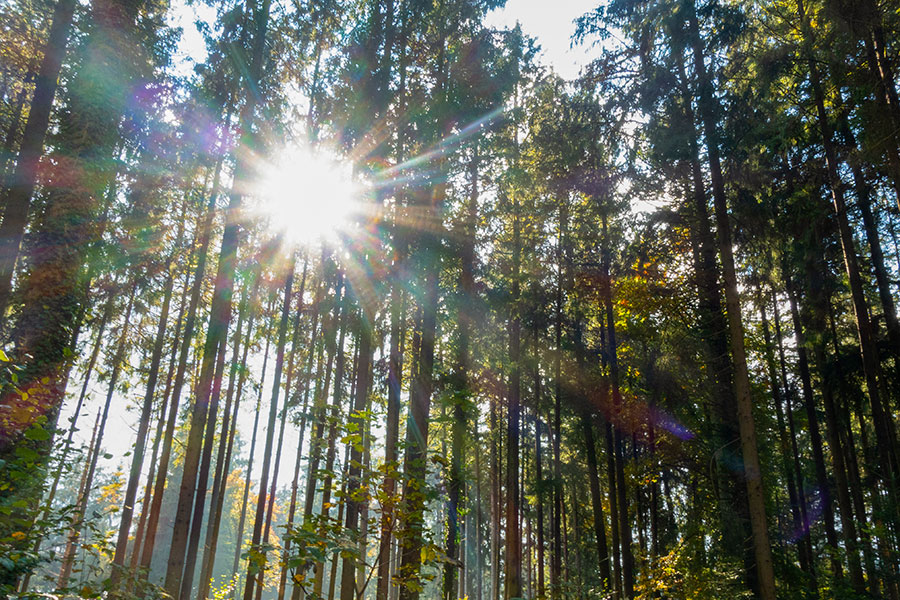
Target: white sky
[550,22]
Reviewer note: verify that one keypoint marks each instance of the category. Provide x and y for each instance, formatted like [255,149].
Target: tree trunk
[75,532]
[819,300]
[539,479]
[755,494]
[784,445]
[813,424]
[137,460]
[513,563]
[52,290]
[247,479]
[24,177]
[596,499]
[238,372]
[618,438]
[495,499]
[68,557]
[254,567]
[356,427]
[883,421]
[205,232]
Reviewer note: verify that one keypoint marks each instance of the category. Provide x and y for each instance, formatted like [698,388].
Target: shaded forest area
[367,303]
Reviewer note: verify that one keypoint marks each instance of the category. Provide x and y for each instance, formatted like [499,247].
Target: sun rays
[307,195]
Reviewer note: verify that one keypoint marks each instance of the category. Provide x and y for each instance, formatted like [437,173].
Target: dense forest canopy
[367,302]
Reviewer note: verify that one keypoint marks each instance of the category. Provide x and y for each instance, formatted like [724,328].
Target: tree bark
[755,493]
[253,566]
[24,177]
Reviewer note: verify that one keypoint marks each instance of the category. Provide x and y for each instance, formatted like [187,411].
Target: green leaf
[37,434]
[27,454]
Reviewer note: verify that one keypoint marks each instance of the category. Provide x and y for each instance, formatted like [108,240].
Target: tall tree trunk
[204,235]
[883,421]
[238,372]
[328,481]
[305,418]
[819,299]
[513,562]
[289,401]
[732,505]
[319,416]
[398,317]
[356,426]
[117,361]
[870,226]
[239,535]
[618,437]
[22,182]
[790,392]
[784,445]
[479,542]
[220,316]
[596,499]
[137,460]
[68,557]
[461,399]
[755,493]
[813,425]
[67,445]
[556,560]
[539,478]
[254,568]
[52,290]
[140,535]
[495,498]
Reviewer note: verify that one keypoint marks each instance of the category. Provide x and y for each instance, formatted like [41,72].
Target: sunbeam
[307,195]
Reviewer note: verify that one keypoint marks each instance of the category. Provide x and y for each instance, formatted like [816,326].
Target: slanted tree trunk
[137,460]
[68,557]
[813,425]
[819,300]
[304,421]
[23,179]
[755,494]
[784,445]
[254,568]
[239,535]
[75,532]
[883,421]
[52,290]
[204,235]
[236,379]
[88,370]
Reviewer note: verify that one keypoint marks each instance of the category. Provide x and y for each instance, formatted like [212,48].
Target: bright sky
[550,22]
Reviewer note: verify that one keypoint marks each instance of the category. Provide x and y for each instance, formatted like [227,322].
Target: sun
[307,195]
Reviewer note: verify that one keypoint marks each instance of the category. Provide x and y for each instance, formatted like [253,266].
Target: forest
[351,302]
